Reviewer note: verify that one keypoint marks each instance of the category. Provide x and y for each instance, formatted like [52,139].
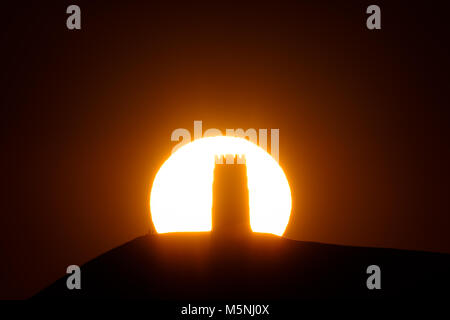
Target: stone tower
[230,209]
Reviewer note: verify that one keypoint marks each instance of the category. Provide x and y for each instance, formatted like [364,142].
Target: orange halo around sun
[181,195]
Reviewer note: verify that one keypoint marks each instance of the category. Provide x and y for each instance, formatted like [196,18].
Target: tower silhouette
[230,209]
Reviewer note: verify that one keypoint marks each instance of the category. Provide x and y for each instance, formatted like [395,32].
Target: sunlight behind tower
[182,193]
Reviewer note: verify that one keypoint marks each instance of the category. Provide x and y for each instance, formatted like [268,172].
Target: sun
[181,195]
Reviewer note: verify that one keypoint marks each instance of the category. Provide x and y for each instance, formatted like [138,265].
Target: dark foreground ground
[207,267]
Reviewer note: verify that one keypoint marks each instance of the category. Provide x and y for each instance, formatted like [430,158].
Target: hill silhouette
[233,263]
[255,266]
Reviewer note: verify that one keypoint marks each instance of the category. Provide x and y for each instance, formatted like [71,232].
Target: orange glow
[181,195]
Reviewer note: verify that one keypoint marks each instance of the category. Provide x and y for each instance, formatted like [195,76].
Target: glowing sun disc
[181,195]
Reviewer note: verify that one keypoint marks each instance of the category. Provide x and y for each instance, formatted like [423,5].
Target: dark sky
[87,117]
